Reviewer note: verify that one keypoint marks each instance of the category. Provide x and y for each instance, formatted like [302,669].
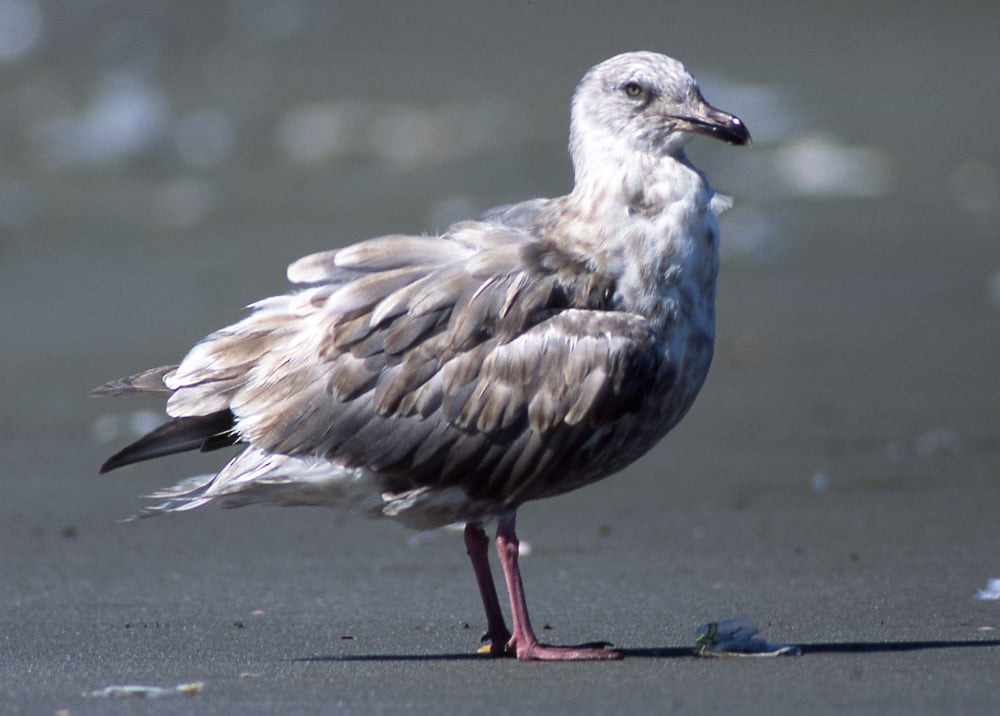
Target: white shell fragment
[737,636]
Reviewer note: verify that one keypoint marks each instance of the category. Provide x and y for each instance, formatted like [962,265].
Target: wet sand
[838,480]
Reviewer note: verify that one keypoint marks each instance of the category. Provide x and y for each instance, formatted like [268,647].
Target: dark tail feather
[200,432]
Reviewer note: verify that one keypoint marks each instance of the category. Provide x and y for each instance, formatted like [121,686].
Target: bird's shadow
[687,652]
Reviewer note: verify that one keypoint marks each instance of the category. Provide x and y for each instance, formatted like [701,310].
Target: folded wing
[432,361]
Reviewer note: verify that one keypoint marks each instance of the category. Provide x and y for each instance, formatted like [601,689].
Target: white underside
[258,477]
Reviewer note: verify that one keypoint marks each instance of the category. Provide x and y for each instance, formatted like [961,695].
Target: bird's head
[646,103]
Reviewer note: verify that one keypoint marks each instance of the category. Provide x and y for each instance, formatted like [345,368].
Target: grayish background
[160,165]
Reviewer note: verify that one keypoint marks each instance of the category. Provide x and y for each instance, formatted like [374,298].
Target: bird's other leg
[523,643]
[477,546]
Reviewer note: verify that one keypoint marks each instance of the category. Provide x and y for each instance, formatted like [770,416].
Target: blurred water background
[163,162]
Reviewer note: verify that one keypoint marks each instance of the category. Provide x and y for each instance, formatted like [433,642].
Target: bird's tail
[197,432]
[149,382]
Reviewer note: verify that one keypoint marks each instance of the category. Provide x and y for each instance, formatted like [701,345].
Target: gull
[450,379]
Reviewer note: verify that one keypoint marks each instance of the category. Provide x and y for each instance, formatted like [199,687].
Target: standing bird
[452,378]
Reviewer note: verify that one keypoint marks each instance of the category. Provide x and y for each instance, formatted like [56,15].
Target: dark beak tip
[738,133]
[717,124]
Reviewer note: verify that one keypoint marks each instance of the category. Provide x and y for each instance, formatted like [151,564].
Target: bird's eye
[633,89]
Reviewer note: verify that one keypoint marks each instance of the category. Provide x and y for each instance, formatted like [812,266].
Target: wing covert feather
[427,359]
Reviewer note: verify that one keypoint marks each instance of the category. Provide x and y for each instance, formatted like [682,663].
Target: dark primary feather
[202,432]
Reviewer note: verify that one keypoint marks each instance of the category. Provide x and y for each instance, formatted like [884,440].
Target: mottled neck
[618,195]
[645,222]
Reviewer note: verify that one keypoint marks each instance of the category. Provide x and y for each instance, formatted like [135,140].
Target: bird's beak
[713,122]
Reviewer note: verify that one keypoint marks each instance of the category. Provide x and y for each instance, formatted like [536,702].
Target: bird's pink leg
[523,643]
[477,546]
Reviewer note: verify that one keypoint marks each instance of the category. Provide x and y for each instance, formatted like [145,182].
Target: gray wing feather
[430,363]
[380,254]
[149,382]
[522,215]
